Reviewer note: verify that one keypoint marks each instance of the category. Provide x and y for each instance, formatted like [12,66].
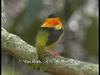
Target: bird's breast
[54,35]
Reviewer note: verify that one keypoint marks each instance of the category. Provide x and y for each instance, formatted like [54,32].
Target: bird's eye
[58,27]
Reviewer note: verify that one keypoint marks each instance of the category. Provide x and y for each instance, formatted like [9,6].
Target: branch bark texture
[56,66]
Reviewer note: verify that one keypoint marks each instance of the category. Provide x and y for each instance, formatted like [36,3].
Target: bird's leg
[53,53]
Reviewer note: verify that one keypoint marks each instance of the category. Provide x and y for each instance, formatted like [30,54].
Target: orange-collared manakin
[49,33]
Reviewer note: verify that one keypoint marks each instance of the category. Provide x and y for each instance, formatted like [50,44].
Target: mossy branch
[58,66]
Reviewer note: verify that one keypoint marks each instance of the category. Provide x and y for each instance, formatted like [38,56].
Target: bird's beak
[43,25]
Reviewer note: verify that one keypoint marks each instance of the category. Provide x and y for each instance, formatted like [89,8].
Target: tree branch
[59,66]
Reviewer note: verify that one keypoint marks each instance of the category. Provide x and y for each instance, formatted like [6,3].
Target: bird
[48,35]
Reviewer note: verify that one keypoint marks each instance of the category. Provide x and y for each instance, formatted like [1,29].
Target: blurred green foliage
[28,21]
[8,70]
[71,6]
[91,38]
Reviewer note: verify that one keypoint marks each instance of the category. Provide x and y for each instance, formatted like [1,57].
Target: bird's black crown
[52,16]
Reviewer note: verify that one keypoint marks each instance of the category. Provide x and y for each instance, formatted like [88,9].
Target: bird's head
[53,22]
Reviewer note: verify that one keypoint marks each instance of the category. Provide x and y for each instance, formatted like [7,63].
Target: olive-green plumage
[41,40]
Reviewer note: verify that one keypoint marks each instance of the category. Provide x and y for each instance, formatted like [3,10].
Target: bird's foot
[53,53]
